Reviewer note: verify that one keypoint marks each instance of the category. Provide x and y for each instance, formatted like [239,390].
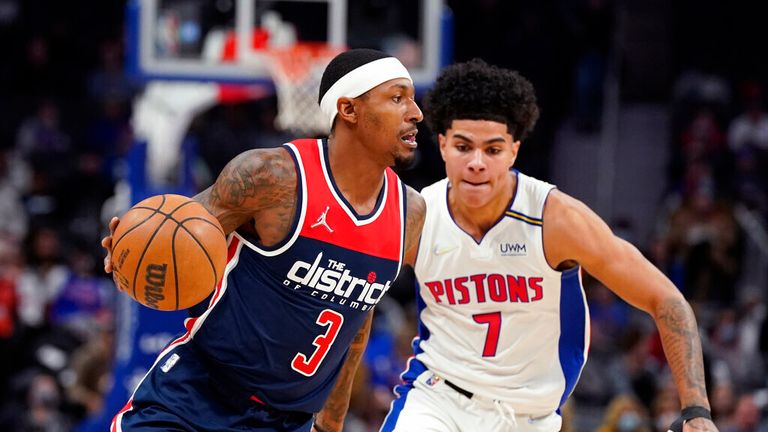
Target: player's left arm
[417,209]
[573,232]
[331,417]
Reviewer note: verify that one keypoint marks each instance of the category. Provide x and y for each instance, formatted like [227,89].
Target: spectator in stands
[723,403]
[750,128]
[625,414]
[47,148]
[704,236]
[83,299]
[91,365]
[13,215]
[665,407]
[43,411]
[43,277]
[9,320]
[747,416]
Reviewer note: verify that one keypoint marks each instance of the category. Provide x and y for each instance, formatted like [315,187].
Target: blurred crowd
[710,241]
[65,105]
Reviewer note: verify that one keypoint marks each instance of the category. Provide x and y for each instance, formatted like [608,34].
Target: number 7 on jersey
[493,320]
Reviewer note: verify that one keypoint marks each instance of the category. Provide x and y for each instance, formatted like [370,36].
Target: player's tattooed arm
[574,233]
[682,345]
[331,417]
[253,181]
[416,212]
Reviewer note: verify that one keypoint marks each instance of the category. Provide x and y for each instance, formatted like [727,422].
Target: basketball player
[504,326]
[318,230]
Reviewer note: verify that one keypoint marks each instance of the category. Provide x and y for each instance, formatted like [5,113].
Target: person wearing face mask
[43,403]
[625,414]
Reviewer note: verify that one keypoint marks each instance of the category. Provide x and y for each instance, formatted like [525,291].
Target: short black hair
[475,90]
[344,63]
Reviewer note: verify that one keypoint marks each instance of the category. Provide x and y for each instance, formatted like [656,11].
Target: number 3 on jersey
[493,320]
[323,342]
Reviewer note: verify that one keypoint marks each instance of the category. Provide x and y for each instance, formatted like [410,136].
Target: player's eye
[397,98]
[494,150]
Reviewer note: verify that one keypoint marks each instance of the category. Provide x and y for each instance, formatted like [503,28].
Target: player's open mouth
[409,139]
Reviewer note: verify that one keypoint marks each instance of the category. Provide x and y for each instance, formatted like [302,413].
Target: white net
[296,72]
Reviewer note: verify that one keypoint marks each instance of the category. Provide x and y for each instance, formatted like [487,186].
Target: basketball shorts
[425,403]
[178,394]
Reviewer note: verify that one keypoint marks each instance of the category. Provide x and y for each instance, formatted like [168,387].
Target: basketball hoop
[296,72]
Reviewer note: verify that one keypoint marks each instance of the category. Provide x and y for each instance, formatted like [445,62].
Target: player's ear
[515,149]
[442,141]
[346,109]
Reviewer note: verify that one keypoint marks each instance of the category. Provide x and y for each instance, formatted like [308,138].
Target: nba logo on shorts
[432,380]
[170,362]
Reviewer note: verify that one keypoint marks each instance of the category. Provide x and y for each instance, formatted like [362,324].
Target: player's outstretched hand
[106,243]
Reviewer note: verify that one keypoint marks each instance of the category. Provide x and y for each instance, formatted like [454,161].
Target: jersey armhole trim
[541,233]
[403,201]
[299,214]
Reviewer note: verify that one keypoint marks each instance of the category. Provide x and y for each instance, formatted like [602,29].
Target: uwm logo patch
[513,249]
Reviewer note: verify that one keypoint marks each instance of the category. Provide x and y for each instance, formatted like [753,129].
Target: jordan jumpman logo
[321,220]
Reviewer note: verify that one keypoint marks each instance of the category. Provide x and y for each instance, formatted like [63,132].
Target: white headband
[359,81]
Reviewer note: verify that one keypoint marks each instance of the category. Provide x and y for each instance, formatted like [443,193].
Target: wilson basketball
[168,252]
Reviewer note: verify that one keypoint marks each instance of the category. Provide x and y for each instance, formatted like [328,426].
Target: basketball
[168,252]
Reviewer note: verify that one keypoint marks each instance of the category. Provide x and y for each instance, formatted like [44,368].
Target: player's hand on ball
[106,243]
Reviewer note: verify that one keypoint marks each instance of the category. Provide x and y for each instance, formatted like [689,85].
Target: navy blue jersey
[279,325]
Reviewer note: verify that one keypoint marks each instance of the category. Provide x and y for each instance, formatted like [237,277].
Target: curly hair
[475,90]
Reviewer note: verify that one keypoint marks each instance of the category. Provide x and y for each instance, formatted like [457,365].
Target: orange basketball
[168,252]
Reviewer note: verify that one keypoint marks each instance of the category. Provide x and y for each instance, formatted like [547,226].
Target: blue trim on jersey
[573,320]
[379,200]
[412,371]
[424,332]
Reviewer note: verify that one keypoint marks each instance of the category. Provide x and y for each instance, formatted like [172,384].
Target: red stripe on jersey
[114,426]
[231,250]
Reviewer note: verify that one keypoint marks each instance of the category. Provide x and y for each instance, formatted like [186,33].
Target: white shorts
[430,405]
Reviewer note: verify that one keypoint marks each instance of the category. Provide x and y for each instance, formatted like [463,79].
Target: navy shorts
[178,394]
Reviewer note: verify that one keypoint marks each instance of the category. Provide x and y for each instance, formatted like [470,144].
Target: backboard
[200,39]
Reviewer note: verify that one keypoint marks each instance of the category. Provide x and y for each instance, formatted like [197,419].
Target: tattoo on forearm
[680,337]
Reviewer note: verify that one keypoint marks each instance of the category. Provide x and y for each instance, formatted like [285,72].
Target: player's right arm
[251,186]
[256,189]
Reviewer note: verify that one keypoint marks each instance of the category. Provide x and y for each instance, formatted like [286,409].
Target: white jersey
[495,318]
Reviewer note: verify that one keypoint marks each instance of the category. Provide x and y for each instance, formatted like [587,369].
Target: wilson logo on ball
[123,256]
[155,278]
